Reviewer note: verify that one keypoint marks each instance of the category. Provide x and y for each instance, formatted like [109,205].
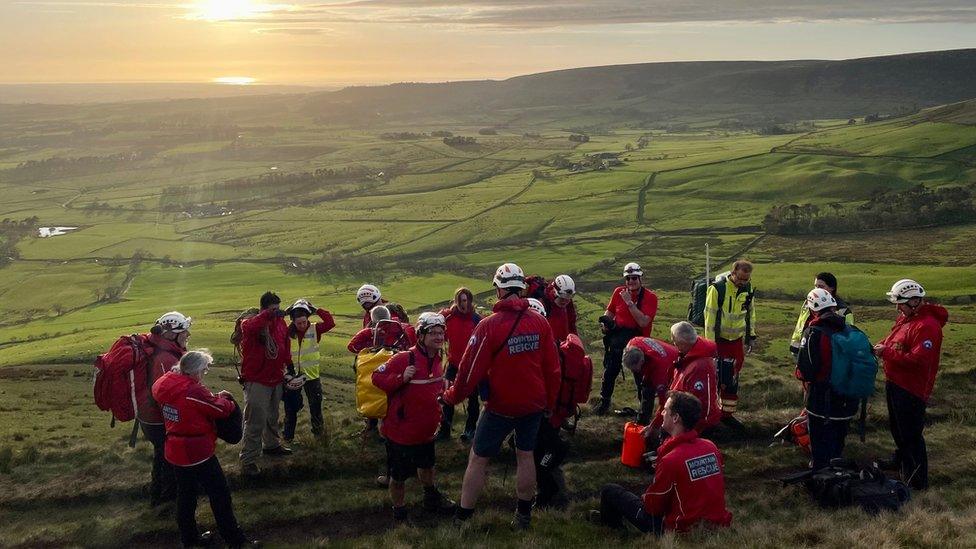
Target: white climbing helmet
[565,287]
[819,299]
[633,269]
[300,305]
[537,306]
[905,289]
[427,321]
[367,293]
[174,321]
[509,275]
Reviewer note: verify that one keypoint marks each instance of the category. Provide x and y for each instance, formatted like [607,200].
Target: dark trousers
[550,452]
[162,486]
[209,476]
[826,422]
[618,503]
[614,344]
[474,406]
[294,403]
[906,419]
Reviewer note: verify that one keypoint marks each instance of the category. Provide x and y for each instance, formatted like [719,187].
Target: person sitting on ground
[413,381]
[652,361]
[829,413]
[264,358]
[189,410]
[694,373]
[689,484]
[304,374]
[461,319]
[383,331]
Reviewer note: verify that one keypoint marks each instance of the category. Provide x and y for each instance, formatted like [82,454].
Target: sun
[225,10]
[234,80]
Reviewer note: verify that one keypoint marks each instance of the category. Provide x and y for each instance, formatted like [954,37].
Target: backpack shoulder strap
[509,336]
[640,298]
[720,302]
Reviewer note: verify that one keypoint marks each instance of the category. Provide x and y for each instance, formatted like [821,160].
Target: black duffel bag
[843,484]
[231,428]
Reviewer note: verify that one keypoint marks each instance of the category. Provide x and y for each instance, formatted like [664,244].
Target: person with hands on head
[190,410]
[513,351]
[911,355]
[629,314]
[413,381]
[689,483]
[303,374]
[264,358]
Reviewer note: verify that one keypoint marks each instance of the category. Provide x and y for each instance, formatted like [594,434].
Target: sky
[380,41]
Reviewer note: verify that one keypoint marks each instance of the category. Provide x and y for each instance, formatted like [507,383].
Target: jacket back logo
[702,466]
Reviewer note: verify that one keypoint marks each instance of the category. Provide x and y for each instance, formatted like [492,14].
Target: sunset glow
[235,80]
[226,10]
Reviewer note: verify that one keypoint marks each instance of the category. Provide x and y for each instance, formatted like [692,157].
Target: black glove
[608,322]
[291,370]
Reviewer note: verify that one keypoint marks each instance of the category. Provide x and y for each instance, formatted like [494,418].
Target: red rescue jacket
[689,485]
[364,339]
[561,319]
[522,369]
[256,366]
[621,312]
[695,373]
[659,358]
[413,414]
[913,349]
[460,326]
[165,355]
[189,409]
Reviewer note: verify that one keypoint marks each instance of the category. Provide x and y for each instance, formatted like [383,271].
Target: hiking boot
[250,469]
[203,540]
[281,450]
[602,408]
[594,516]
[467,437]
[626,411]
[521,522]
[400,517]
[733,423]
[436,502]
[383,481]
[444,433]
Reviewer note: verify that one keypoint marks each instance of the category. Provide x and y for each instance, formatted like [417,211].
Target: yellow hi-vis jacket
[308,359]
[728,318]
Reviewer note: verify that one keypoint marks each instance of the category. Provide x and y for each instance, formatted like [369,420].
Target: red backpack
[577,377]
[114,377]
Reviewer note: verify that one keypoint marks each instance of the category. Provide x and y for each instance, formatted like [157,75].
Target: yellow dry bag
[370,401]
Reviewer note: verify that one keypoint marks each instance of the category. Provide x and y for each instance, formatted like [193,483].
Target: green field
[419,218]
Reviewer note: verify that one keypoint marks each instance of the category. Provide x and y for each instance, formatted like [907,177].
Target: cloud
[292,30]
[565,13]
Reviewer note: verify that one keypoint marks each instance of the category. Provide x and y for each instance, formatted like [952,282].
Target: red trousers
[728,396]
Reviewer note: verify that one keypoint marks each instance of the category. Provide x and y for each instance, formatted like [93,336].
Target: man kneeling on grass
[688,486]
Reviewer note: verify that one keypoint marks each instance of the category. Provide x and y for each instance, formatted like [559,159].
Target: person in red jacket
[694,373]
[167,343]
[383,331]
[629,314]
[652,361]
[560,309]
[303,374]
[688,487]
[413,381]
[264,358]
[513,350]
[461,319]
[911,354]
[189,410]
[369,296]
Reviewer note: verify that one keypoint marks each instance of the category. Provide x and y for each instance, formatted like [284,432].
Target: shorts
[493,428]
[403,460]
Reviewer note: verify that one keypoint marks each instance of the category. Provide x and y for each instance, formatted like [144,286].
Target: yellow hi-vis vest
[308,357]
[730,315]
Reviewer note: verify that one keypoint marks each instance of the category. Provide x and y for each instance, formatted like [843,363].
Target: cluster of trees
[59,166]
[337,264]
[487,131]
[915,207]
[459,141]
[579,138]
[399,136]
[11,231]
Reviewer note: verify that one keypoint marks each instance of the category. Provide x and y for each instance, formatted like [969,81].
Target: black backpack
[843,484]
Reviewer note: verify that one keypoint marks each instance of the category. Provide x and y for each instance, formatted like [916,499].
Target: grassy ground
[67,479]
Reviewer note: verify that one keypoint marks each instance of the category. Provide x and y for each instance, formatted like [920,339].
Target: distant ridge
[794,89]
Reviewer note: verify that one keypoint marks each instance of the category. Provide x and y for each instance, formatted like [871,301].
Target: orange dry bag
[632,454]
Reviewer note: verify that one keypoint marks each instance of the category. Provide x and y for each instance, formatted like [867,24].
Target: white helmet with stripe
[905,289]
[174,321]
[429,320]
[509,275]
[537,306]
[633,269]
[819,299]
[368,293]
[565,287]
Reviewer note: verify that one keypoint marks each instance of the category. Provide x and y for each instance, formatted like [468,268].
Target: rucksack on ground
[113,381]
[852,362]
[843,485]
[371,400]
[577,375]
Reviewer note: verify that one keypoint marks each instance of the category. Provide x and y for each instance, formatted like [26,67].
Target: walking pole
[708,266]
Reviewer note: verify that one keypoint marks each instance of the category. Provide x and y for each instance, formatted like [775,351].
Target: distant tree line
[915,207]
[60,166]
[579,138]
[459,141]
